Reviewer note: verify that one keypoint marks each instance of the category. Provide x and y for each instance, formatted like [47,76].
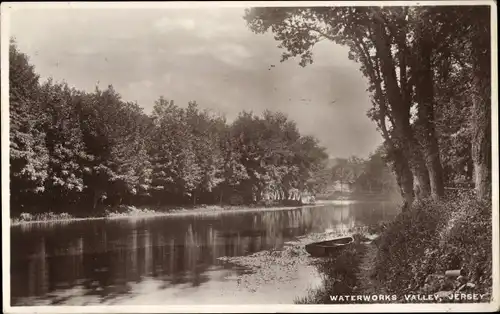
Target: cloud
[193,51]
[232,54]
[209,23]
[166,24]
[141,84]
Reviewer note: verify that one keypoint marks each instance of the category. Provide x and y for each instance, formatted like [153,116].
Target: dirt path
[369,285]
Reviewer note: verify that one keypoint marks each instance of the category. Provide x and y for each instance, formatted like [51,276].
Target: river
[172,260]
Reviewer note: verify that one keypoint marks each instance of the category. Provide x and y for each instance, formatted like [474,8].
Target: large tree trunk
[470,168]
[425,99]
[481,142]
[433,161]
[481,107]
[404,176]
[421,181]
[383,71]
[400,112]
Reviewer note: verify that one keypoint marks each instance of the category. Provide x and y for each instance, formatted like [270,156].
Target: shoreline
[172,213]
[395,265]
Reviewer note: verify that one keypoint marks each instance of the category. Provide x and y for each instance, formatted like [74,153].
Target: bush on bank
[418,247]
[415,250]
[49,216]
[339,276]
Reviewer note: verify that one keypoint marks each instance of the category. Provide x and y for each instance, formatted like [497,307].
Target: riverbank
[128,212]
[420,245]
[347,274]
[412,255]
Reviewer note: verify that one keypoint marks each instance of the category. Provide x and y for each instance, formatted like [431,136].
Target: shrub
[433,237]
[50,216]
[339,275]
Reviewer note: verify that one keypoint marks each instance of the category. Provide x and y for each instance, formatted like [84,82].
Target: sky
[208,55]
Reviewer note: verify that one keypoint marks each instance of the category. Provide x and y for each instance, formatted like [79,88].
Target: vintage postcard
[250,156]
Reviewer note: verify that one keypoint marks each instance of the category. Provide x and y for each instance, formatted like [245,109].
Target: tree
[310,158]
[175,168]
[114,134]
[205,129]
[369,32]
[425,46]
[375,176]
[481,121]
[274,155]
[89,151]
[453,112]
[29,159]
[64,143]
[465,69]
[234,172]
[399,50]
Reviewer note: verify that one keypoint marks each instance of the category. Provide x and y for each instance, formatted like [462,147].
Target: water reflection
[106,259]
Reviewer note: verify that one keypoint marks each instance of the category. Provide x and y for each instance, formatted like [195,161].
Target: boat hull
[328,248]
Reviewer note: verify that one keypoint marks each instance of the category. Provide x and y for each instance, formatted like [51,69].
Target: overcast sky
[207,55]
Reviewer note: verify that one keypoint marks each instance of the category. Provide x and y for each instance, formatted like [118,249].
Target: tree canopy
[78,151]
[415,59]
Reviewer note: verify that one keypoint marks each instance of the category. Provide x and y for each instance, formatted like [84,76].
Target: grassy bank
[134,212]
[420,245]
[413,253]
[339,276]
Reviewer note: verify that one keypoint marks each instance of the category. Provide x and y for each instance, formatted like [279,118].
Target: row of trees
[429,74]
[81,150]
[370,176]
[361,177]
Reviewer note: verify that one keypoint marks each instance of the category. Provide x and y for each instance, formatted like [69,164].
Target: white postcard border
[7,8]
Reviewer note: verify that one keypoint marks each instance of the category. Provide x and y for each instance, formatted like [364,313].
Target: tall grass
[435,236]
[339,275]
[415,250]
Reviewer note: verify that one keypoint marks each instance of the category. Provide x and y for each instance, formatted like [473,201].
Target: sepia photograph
[272,156]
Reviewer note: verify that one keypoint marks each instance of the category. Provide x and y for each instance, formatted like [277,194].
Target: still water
[167,260]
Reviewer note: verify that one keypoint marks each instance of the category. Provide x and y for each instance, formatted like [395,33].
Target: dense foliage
[340,277]
[412,255]
[81,152]
[429,75]
[419,246]
[359,178]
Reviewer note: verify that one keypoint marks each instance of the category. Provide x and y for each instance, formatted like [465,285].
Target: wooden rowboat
[328,248]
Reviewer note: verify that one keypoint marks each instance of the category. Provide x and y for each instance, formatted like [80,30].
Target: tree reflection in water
[106,259]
